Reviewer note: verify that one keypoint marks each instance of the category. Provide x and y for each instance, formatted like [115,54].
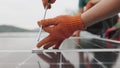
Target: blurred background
[18,21]
[26,13]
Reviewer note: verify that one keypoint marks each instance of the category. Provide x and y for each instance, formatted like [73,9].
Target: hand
[60,28]
[54,58]
[45,3]
[89,5]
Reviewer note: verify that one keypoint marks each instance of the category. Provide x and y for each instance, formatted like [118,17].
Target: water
[18,41]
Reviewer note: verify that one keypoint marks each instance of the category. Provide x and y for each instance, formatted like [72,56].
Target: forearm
[104,9]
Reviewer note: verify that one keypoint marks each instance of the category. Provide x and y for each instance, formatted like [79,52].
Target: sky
[26,13]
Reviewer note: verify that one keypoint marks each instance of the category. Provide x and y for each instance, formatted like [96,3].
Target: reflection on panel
[89,43]
[60,60]
[88,53]
[80,60]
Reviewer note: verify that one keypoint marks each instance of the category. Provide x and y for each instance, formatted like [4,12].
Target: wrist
[81,25]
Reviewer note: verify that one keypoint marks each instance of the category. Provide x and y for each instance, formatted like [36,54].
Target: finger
[58,44]
[39,23]
[49,45]
[44,41]
[49,29]
[45,58]
[47,22]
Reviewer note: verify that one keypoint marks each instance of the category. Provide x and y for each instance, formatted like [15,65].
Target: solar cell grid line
[39,65]
[23,62]
[92,56]
[93,44]
[60,64]
[75,50]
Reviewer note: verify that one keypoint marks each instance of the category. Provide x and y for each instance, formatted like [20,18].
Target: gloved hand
[45,3]
[109,33]
[60,28]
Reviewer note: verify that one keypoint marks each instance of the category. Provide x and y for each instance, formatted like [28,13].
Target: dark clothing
[101,27]
[82,3]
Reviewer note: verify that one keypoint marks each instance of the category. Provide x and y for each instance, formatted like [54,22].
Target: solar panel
[89,53]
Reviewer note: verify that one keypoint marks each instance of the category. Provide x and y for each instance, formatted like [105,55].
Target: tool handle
[40,31]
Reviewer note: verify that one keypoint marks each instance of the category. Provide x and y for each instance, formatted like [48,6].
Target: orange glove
[89,5]
[45,3]
[59,28]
